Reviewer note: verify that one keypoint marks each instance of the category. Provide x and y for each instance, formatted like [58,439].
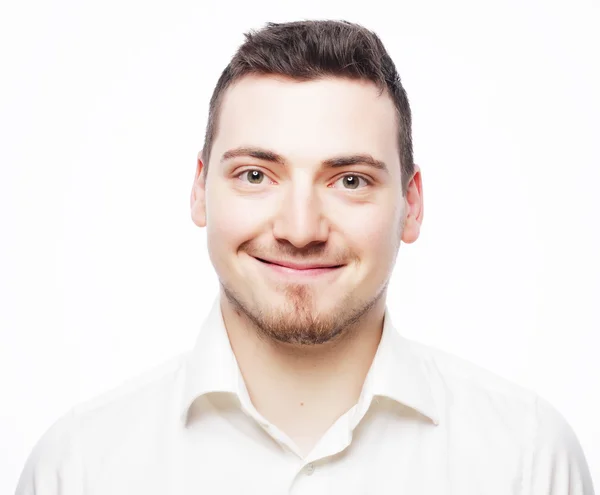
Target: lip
[297,266]
[299,270]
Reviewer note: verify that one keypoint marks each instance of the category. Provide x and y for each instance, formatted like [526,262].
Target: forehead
[308,119]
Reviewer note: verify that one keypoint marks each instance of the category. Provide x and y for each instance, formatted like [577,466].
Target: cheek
[225,227]
[231,220]
[225,232]
[374,232]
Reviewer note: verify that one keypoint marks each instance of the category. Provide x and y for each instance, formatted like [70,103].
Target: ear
[198,196]
[413,216]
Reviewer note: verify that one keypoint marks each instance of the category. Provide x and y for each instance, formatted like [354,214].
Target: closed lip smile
[299,266]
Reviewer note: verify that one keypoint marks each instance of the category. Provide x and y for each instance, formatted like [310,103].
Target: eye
[352,181]
[252,176]
[349,181]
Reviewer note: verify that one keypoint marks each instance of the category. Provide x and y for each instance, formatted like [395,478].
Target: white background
[103,274]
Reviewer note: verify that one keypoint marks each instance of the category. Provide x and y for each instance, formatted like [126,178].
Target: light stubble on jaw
[297,324]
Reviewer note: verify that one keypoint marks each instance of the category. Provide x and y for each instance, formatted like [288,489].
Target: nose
[300,220]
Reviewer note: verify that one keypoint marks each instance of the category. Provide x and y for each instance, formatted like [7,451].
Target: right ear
[198,196]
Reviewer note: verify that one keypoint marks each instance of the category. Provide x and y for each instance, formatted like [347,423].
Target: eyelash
[360,176]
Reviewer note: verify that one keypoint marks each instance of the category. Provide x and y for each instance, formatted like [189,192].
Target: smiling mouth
[299,268]
[303,272]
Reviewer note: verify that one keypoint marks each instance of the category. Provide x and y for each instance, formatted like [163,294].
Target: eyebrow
[334,162]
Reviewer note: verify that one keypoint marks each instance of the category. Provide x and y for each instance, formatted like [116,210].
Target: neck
[304,390]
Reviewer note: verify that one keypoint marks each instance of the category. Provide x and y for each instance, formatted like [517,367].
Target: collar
[400,374]
[397,372]
[211,365]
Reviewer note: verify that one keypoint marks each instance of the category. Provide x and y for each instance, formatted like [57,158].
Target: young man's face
[351,217]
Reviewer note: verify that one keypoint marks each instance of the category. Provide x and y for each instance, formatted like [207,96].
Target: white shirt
[427,422]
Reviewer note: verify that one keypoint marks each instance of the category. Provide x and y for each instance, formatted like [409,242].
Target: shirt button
[310,469]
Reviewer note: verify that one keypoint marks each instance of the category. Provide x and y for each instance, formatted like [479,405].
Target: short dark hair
[313,49]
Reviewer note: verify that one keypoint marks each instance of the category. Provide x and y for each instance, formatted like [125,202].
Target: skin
[305,344]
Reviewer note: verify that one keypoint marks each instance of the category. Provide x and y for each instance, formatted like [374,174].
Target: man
[299,382]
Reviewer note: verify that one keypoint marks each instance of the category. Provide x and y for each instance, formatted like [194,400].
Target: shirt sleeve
[558,464]
[54,465]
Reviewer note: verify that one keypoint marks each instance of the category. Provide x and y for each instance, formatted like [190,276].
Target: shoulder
[454,379]
[558,463]
[54,466]
[54,456]
[504,413]
[476,404]
[133,393]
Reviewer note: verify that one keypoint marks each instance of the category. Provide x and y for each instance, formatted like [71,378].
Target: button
[310,469]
